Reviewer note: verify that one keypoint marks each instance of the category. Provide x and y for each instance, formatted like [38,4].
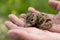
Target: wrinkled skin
[31,33]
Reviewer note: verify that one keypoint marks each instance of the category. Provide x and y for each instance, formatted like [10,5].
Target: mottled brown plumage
[38,20]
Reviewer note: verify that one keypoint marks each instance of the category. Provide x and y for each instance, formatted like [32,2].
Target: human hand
[17,22]
[32,33]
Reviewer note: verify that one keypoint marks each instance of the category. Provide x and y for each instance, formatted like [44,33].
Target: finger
[30,9]
[10,25]
[54,4]
[16,20]
[22,15]
[58,6]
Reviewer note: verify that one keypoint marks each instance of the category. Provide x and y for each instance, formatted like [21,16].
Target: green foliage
[6,6]
[43,6]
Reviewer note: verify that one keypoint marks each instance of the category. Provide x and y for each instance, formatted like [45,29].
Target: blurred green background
[17,7]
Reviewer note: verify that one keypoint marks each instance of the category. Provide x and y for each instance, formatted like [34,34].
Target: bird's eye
[31,19]
[48,20]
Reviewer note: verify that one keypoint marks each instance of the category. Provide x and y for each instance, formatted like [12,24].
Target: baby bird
[38,20]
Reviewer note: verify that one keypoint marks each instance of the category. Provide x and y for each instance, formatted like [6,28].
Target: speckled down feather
[38,20]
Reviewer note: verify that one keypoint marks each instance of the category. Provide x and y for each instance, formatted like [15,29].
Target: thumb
[54,4]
